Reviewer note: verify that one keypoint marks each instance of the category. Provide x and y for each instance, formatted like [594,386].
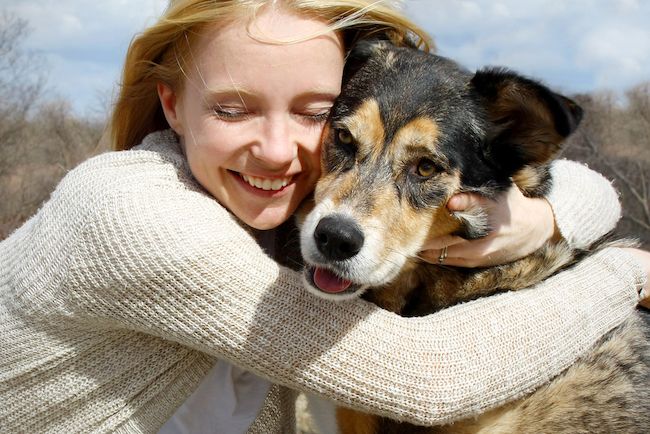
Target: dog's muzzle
[336,238]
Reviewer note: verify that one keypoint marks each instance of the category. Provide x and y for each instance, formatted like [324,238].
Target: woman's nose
[277,146]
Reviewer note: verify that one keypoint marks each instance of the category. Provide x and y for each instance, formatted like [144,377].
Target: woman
[136,283]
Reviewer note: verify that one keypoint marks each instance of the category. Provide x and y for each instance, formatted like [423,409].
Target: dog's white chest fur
[323,414]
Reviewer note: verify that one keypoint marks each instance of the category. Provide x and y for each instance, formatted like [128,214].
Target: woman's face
[250,113]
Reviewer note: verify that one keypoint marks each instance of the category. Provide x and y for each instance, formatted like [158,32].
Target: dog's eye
[426,168]
[340,153]
[344,137]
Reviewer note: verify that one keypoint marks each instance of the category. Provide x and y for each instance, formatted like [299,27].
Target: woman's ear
[169,104]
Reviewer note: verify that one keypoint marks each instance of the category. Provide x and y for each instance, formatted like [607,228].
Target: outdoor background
[60,63]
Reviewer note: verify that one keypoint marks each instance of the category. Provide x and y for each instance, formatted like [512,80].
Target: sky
[573,46]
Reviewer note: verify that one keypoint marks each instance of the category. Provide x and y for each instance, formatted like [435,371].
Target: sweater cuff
[629,268]
[585,203]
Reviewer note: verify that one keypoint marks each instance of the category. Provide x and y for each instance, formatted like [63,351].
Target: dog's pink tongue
[330,282]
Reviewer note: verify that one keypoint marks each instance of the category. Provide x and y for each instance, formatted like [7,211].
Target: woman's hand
[519,226]
[644,260]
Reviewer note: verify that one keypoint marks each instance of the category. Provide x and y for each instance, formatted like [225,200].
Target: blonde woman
[139,295]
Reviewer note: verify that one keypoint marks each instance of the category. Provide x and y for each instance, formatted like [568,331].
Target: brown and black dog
[410,130]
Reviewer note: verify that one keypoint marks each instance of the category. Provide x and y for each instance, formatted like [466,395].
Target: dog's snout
[338,238]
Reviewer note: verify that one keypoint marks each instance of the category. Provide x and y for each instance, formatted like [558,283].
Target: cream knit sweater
[118,295]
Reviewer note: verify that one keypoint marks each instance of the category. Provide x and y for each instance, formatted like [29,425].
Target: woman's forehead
[275,39]
[236,57]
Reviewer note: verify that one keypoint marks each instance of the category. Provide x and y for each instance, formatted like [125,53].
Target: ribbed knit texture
[574,199]
[116,298]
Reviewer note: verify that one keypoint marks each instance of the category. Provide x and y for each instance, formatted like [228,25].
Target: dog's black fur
[411,129]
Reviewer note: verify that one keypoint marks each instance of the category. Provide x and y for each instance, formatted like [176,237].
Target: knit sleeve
[173,263]
[585,203]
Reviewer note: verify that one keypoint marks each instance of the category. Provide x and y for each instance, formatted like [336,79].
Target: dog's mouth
[327,281]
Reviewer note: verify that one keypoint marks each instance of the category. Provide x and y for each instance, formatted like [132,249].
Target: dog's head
[410,130]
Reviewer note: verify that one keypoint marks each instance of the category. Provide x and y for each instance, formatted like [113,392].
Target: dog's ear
[361,53]
[529,121]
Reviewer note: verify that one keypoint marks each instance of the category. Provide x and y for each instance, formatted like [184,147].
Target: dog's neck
[423,288]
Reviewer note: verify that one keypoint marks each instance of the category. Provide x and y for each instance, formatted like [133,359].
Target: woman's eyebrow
[230,91]
[317,94]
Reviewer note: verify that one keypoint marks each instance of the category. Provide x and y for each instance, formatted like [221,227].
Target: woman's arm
[175,264]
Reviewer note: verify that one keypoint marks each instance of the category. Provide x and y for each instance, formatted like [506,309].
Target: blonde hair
[160,53]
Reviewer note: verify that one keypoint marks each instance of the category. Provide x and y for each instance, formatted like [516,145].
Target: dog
[410,130]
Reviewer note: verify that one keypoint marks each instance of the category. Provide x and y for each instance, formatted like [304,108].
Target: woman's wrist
[642,258]
[554,229]
[584,203]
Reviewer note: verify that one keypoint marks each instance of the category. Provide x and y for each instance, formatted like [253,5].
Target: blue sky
[574,46]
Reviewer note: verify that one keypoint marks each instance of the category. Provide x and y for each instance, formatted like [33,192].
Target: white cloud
[577,45]
[77,22]
[616,54]
[83,42]
[580,45]
[628,5]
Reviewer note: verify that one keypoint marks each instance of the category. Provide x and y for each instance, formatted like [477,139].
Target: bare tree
[20,85]
[40,140]
[614,139]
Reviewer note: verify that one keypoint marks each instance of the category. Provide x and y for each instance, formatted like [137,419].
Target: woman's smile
[263,186]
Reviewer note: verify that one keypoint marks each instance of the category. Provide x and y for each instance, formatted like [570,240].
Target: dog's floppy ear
[361,53]
[529,121]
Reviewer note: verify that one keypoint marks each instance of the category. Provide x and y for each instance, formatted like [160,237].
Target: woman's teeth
[265,183]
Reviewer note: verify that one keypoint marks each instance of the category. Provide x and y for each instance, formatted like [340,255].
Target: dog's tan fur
[514,129]
[367,128]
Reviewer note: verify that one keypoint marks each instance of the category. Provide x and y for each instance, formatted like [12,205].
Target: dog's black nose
[338,237]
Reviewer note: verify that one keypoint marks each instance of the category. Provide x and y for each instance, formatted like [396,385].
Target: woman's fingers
[519,225]
[462,253]
[443,241]
[465,201]
[458,202]
[437,257]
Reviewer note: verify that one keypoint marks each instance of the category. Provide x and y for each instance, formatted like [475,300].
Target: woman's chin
[264,210]
[266,219]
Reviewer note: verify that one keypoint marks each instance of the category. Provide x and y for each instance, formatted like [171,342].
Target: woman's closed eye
[231,114]
[238,113]
[316,116]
